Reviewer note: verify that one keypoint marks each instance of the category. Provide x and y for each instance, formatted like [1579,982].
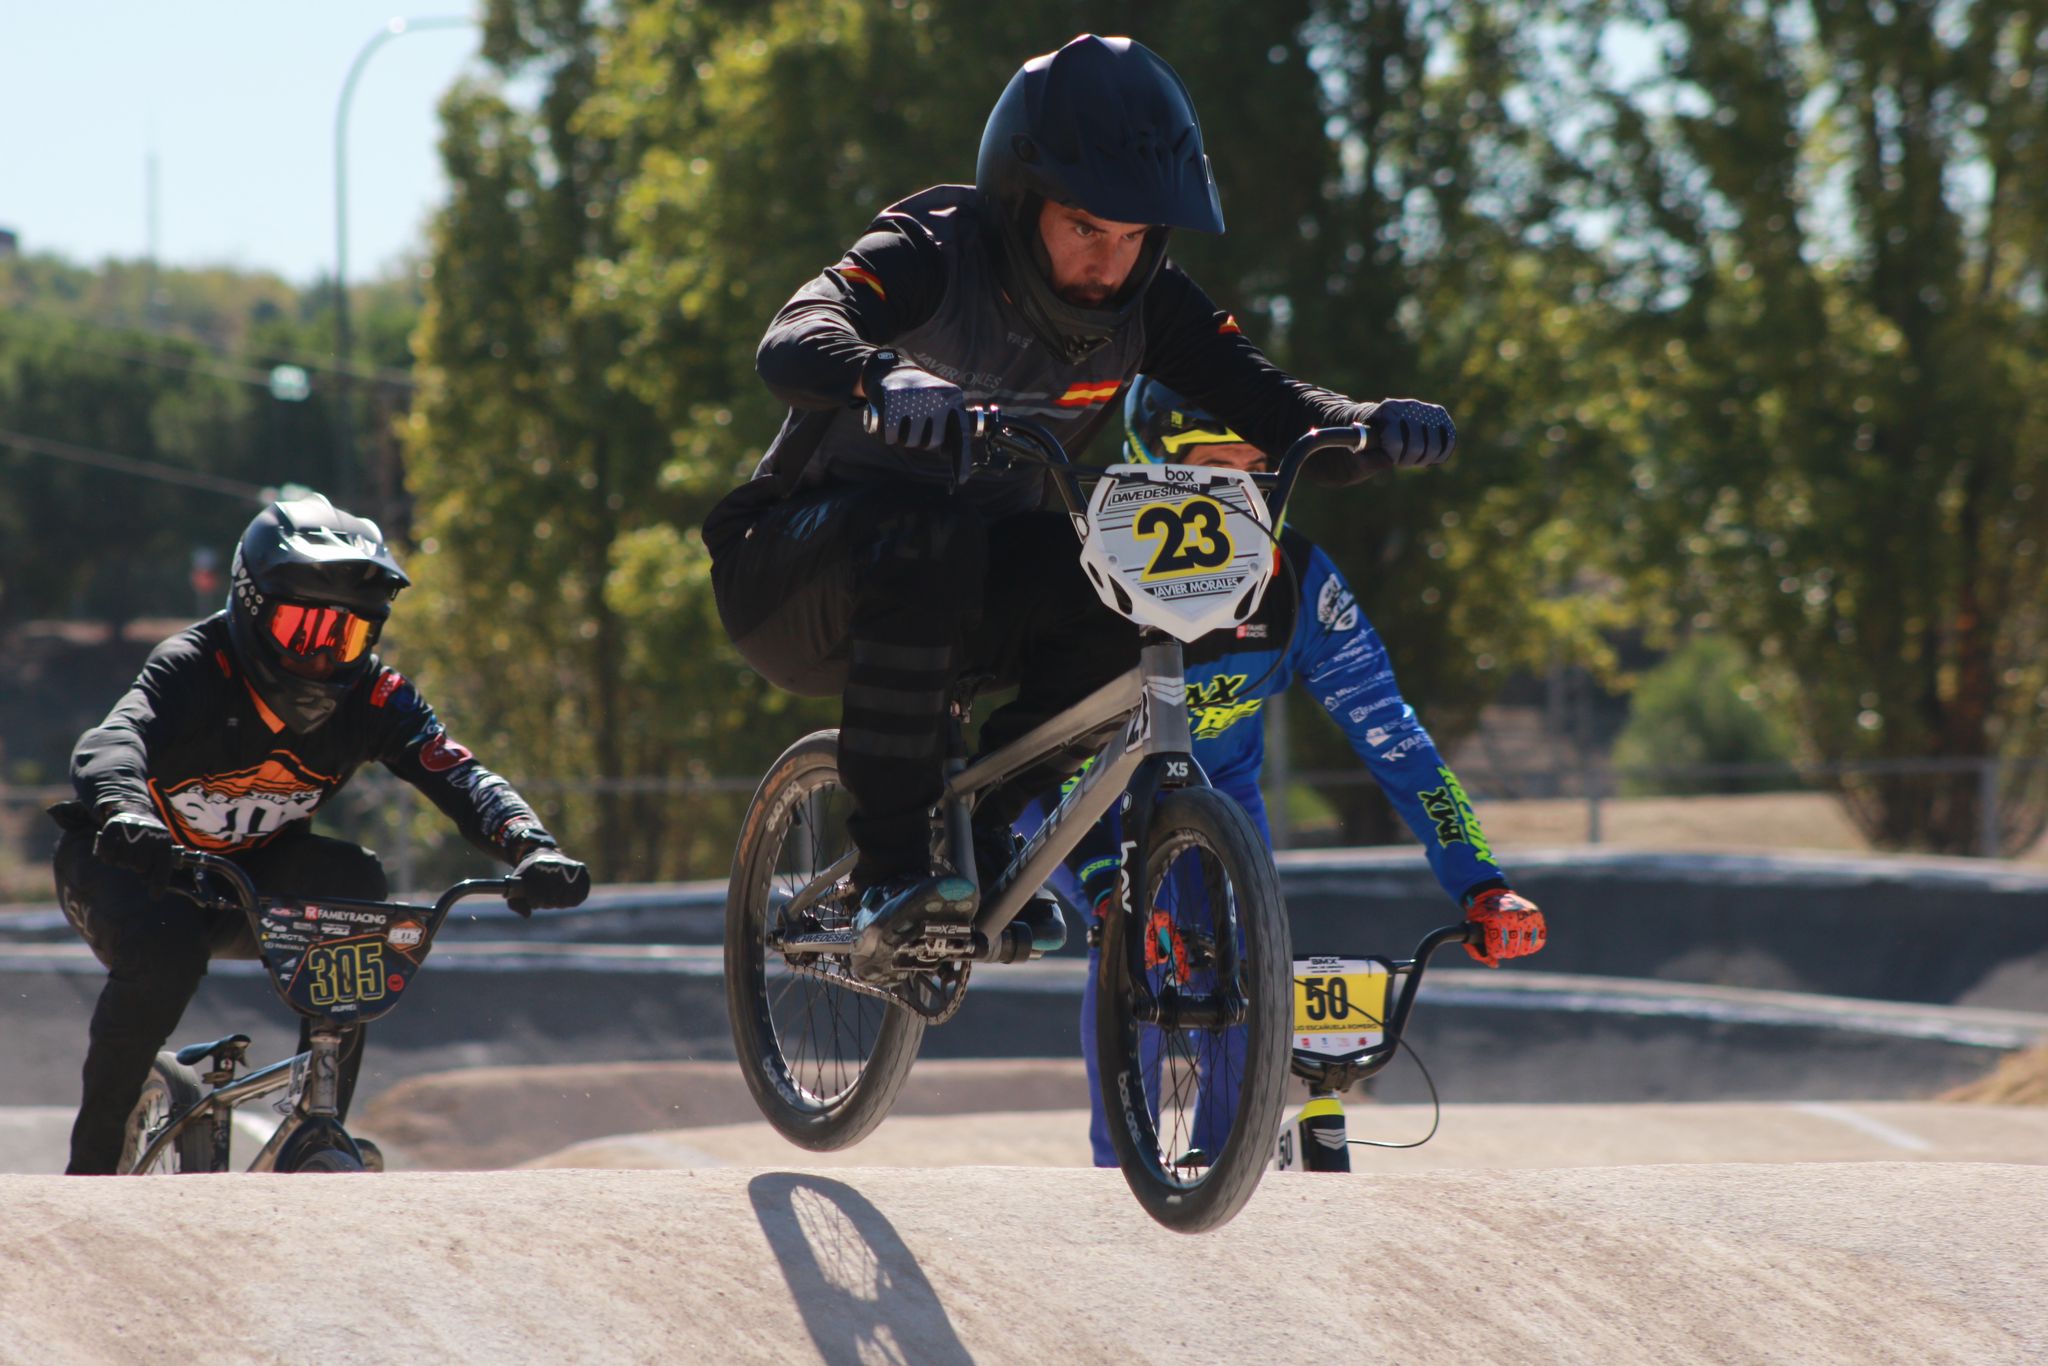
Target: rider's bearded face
[1091,257]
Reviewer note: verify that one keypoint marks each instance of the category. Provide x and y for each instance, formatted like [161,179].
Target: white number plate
[1181,547]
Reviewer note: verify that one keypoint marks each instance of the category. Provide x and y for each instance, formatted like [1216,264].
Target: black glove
[548,879]
[1412,433]
[138,843]
[916,408]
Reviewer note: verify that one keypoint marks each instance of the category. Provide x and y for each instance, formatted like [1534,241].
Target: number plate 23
[1184,548]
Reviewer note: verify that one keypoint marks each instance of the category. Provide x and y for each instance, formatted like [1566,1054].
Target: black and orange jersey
[921,281]
[193,743]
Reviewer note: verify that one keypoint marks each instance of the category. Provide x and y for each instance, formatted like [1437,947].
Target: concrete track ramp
[1861,1263]
[1472,1137]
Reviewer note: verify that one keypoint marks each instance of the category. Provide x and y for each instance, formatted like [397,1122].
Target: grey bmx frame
[313,1079]
[1146,709]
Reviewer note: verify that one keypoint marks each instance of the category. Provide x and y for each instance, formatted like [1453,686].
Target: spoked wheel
[170,1088]
[1194,1100]
[823,1056]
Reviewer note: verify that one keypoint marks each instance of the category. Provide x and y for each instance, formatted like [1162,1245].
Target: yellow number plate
[1339,1004]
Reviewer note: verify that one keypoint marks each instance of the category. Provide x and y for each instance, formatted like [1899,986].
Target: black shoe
[903,912]
[993,850]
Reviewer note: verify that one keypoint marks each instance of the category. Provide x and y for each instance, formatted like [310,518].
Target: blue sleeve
[1338,656]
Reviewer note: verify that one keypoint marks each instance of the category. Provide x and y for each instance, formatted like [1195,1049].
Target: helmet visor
[313,640]
[1197,432]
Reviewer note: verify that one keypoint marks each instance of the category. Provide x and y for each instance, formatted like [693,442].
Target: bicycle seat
[234,1047]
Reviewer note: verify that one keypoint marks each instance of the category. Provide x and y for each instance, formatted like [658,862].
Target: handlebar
[1338,1074]
[244,896]
[994,437]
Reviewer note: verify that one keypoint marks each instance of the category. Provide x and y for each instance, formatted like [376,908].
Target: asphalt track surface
[1854,1263]
[1771,1192]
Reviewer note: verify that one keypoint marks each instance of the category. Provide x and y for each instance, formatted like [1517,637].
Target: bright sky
[236,98]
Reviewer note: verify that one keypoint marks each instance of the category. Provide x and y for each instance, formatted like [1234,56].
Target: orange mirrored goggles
[308,632]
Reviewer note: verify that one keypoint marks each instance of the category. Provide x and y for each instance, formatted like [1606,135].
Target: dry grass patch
[2019,1079]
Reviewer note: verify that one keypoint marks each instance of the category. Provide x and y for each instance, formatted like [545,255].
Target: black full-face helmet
[308,596]
[1104,125]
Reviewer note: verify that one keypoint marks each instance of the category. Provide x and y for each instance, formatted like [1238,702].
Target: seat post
[323,1082]
[958,823]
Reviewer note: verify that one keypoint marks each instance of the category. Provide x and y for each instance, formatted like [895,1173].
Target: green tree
[605,269]
[1826,220]
[1700,706]
[1438,261]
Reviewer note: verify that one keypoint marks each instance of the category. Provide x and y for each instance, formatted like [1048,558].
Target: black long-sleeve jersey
[192,743]
[921,281]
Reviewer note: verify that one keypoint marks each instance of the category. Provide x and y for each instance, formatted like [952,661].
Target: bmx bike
[1345,1033]
[337,963]
[1194,969]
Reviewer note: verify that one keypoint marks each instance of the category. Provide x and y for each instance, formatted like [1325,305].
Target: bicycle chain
[839,976]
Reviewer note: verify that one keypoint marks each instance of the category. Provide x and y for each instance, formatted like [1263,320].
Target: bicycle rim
[824,1060]
[169,1088]
[1193,1110]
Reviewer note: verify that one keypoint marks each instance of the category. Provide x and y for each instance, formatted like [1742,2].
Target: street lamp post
[343,343]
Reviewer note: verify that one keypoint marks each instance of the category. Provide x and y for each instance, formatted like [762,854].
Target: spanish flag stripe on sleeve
[1089,395]
[866,277]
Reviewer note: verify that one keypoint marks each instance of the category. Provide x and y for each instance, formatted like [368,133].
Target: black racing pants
[156,949]
[886,593]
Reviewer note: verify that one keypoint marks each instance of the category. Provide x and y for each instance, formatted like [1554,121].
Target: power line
[143,469]
[220,366]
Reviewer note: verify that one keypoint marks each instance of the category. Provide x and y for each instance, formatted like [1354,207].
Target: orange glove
[1512,924]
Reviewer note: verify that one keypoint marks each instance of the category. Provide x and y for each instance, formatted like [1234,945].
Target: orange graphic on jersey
[1089,395]
[1228,325]
[221,811]
[866,277]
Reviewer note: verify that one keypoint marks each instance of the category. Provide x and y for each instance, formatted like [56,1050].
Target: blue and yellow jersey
[1319,637]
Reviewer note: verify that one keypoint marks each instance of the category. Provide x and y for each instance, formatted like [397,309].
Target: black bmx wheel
[1194,1101]
[170,1088]
[331,1160]
[823,1060]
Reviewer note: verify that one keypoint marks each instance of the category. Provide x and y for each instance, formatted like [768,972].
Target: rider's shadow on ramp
[861,1293]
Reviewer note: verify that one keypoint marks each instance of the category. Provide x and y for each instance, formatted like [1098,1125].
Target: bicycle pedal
[939,943]
[819,939]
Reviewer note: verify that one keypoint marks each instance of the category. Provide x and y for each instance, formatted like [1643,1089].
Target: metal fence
[1597,789]
[685,827]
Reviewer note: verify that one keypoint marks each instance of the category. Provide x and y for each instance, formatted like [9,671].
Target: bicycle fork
[314,1099]
[1315,1139]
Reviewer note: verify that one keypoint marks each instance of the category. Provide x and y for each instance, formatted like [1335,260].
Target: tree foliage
[1825,221]
[607,265]
[168,368]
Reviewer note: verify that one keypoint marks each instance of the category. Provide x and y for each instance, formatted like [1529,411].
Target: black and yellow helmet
[1159,424]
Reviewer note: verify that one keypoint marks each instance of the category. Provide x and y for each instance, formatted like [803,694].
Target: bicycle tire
[328,1160]
[170,1088]
[795,828]
[1156,1108]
